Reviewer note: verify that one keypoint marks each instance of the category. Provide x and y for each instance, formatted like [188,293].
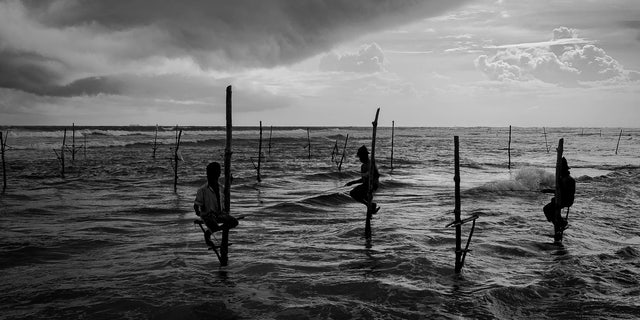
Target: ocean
[113,240]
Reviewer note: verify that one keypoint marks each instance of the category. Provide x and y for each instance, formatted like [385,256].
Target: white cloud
[565,60]
[368,59]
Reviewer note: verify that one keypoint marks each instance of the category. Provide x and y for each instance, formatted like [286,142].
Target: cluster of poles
[460,253]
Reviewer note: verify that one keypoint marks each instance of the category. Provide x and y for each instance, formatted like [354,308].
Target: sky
[321,62]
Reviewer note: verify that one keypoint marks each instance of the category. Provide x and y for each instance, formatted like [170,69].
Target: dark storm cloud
[218,35]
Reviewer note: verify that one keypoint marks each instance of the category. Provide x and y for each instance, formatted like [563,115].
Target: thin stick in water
[3,144]
[545,139]
[617,145]
[509,149]
[175,161]
[260,152]
[344,150]
[155,142]
[270,132]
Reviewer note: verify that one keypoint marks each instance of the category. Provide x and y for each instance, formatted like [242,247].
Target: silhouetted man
[360,192]
[209,204]
[567,191]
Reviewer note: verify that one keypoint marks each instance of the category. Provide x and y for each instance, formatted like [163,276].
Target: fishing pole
[316,194]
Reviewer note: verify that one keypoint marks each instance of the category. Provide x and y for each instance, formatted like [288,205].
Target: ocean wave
[336,175]
[628,253]
[525,179]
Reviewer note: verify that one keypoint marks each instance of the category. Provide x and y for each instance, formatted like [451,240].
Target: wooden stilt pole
[558,192]
[617,145]
[545,139]
[176,158]
[84,145]
[456,210]
[334,151]
[73,143]
[461,254]
[3,145]
[260,151]
[509,148]
[344,151]
[309,143]
[393,125]
[224,247]
[371,207]
[270,132]
[155,142]
[64,141]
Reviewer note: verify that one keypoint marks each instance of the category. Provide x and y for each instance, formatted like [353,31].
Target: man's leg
[227,221]
[549,210]
[359,193]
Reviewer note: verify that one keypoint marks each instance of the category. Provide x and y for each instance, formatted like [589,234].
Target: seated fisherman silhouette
[567,186]
[360,192]
[209,204]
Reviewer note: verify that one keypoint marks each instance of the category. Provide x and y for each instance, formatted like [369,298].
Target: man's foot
[374,205]
[207,238]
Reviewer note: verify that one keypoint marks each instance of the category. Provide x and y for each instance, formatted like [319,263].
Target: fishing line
[317,194]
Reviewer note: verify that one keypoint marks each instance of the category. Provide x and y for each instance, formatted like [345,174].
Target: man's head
[363,153]
[213,172]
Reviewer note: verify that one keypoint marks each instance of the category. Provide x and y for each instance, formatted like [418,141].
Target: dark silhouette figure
[567,190]
[209,204]
[360,192]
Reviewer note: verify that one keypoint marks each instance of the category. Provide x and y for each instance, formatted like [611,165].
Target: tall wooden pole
[509,148]
[155,142]
[393,125]
[456,210]
[3,144]
[372,164]
[84,146]
[270,132]
[224,248]
[260,152]
[558,192]
[73,143]
[64,141]
[309,143]
[175,161]
[617,145]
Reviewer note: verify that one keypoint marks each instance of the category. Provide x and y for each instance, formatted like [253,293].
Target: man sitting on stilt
[567,189]
[360,192]
[209,204]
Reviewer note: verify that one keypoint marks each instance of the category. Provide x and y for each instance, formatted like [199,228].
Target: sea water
[113,240]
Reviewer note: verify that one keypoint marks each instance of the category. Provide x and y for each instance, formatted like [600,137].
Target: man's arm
[197,209]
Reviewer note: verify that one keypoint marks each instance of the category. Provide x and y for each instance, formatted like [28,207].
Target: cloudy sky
[321,62]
